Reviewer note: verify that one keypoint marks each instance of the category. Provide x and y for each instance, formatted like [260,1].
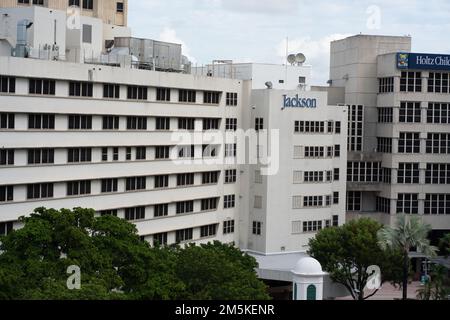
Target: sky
[256,30]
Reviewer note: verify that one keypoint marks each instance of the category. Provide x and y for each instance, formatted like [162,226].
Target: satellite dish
[269,85]
[291,58]
[300,58]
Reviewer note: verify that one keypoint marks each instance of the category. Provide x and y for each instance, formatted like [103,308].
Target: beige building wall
[102,9]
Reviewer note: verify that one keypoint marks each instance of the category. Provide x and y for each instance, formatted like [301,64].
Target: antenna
[291,59]
[300,58]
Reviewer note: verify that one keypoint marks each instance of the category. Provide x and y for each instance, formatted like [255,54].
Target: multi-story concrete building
[398,159]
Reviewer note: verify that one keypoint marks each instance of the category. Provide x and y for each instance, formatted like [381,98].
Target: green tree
[444,245]
[408,233]
[436,288]
[347,251]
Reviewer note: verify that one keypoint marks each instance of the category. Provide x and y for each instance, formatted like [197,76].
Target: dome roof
[308,266]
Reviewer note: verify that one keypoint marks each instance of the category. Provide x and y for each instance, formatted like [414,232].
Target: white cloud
[262,6]
[170,35]
[317,53]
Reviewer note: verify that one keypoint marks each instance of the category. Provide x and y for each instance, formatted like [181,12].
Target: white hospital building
[88,117]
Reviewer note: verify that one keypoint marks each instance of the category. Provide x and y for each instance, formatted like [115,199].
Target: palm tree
[408,233]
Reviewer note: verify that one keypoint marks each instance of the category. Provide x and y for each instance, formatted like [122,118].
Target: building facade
[398,129]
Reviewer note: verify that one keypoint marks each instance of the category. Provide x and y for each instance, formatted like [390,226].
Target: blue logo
[423,61]
[296,102]
[403,60]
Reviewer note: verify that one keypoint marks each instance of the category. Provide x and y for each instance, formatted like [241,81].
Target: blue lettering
[297,102]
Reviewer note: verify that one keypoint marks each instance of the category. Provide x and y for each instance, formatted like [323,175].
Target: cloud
[317,53]
[170,35]
[262,6]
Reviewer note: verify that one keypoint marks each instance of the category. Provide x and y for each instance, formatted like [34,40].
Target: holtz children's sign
[423,61]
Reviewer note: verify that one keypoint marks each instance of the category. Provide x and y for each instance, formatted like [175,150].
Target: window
[363,171]
[229,201]
[80,89]
[74,3]
[141,153]
[186,124]
[41,86]
[7,84]
[312,226]
[385,115]
[128,154]
[7,120]
[384,145]
[231,124]
[386,175]
[137,213]
[40,191]
[6,157]
[185,179]
[75,188]
[183,235]
[211,124]
[162,94]
[111,91]
[75,155]
[386,85]
[335,197]
[408,173]
[110,123]
[258,202]
[162,152]
[160,239]
[228,227]
[439,82]
[383,205]
[312,126]
[409,142]
[258,177]
[6,228]
[355,127]
[135,183]
[41,156]
[80,122]
[437,173]
[119,7]
[87,33]
[408,203]
[187,95]
[136,123]
[162,123]
[210,177]
[211,97]
[354,201]
[230,150]
[337,151]
[209,204]
[313,176]
[109,213]
[208,231]
[336,174]
[88,4]
[6,193]
[438,113]
[184,207]
[338,127]
[209,151]
[437,204]
[41,121]
[315,152]
[109,185]
[335,221]
[230,176]
[438,143]
[232,99]
[137,93]
[186,152]
[410,112]
[161,181]
[256,229]
[104,154]
[411,82]
[161,210]
[312,201]
[259,124]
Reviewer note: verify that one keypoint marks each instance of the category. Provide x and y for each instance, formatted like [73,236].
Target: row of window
[299,202]
[316,176]
[317,127]
[314,226]
[438,82]
[410,112]
[317,152]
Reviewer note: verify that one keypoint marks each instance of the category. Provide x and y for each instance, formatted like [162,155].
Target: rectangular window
[128,154]
[162,123]
[137,213]
[41,121]
[135,183]
[230,176]
[141,153]
[363,171]
[111,91]
[354,200]
[80,122]
[408,203]
[80,89]
[438,113]
[6,193]
[210,177]
[185,179]
[209,204]
[119,7]
[88,4]
[384,145]
[187,96]
[211,124]
[183,235]
[75,188]
[87,33]
[208,231]
[211,97]
[186,124]
[409,142]
[437,173]
[110,123]
[385,115]
[136,123]
[335,197]
[411,82]
[160,239]
[437,204]
[438,143]
[230,150]
[383,205]
[6,157]
[335,221]
[438,82]
[259,124]
[355,127]
[336,174]
[76,155]
[137,93]
[7,84]
[162,152]
[41,86]
[337,151]
[162,94]
[109,185]
[256,228]
[184,207]
[312,126]
[40,191]
[386,85]
[41,156]
[7,120]
[229,201]
[161,181]
[161,210]
[231,124]
[408,173]
[209,151]
[410,112]
[232,99]
[312,226]
[228,227]
[186,152]
[6,228]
